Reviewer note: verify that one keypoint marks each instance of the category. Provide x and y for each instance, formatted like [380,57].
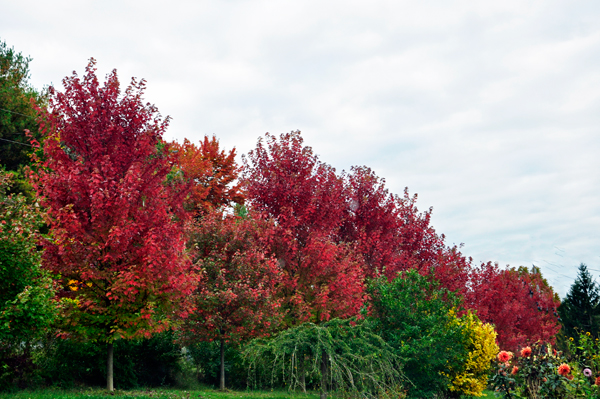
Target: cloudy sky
[488,110]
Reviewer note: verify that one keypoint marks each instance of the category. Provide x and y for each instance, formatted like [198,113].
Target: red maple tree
[236,298]
[518,302]
[392,235]
[115,240]
[286,181]
[212,173]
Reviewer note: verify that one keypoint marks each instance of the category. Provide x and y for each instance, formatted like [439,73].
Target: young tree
[518,302]
[285,181]
[115,239]
[236,298]
[212,172]
[17,112]
[580,310]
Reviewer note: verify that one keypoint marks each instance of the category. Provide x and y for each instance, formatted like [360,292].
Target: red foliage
[332,232]
[393,236]
[519,303]
[212,173]
[114,240]
[236,297]
[287,182]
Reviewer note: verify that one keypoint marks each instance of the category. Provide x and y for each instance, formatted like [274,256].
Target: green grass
[153,394]
[164,394]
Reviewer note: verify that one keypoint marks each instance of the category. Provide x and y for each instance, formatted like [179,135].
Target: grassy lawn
[153,394]
[163,394]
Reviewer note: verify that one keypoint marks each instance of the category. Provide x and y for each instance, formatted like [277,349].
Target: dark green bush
[150,362]
[417,318]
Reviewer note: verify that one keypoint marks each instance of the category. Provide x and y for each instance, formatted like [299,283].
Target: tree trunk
[302,373]
[222,378]
[109,368]
[324,375]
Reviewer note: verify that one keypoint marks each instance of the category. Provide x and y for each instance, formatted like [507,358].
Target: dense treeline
[132,260]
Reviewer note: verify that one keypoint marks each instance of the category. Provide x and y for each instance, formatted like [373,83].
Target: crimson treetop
[286,181]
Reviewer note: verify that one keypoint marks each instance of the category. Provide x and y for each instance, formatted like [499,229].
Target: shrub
[471,378]
[416,318]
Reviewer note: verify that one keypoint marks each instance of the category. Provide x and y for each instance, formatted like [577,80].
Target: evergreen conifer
[580,310]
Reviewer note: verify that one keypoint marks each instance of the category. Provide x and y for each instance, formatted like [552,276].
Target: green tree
[580,310]
[17,112]
[417,318]
[26,290]
[338,355]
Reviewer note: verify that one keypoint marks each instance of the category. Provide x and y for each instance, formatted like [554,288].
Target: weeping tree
[344,356]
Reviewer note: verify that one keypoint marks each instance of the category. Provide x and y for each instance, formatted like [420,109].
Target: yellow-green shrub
[482,348]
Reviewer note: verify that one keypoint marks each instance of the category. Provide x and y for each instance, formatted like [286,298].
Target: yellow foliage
[73,285]
[472,379]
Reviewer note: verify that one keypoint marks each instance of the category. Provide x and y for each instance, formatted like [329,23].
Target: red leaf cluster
[212,173]
[236,297]
[519,303]
[323,277]
[336,230]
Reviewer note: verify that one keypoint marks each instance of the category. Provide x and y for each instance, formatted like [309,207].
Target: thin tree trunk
[324,375]
[222,379]
[302,374]
[109,368]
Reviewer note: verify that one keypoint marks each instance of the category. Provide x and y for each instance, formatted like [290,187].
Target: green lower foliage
[150,362]
[204,357]
[344,357]
[417,319]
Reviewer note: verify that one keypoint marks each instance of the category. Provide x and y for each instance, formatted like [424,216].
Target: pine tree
[580,310]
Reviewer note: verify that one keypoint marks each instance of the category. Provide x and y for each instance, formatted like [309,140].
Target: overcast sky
[488,110]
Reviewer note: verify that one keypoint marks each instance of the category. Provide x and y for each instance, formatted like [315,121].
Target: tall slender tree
[580,310]
[27,308]
[236,298]
[115,223]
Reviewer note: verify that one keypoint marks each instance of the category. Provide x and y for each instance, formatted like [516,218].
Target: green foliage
[536,373]
[152,362]
[415,317]
[584,353]
[89,393]
[16,110]
[580,310]
[26,291]
[343,355]
[206,360]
